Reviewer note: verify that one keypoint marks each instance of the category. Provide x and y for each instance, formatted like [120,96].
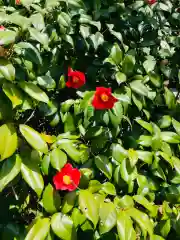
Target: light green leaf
[170,137]
[7,70]
[37,21]
[34,91]
[138,87]
[8,141]
[148,205]
[58,159]
[31,174]
[165,121]
[7,37]
[39,36]
[146,125]
[104,165]
[116,54]
[108,188]
[51,199]
[120,77]
[46,82]
[97,39]
[89,206]
[107,214]
[125,227]
[13,93]
[176,125]
[68,202]
[128,64]
[9,170]
[33,138]
[62,226]
[142,219]
[145,156]
[155,79]
[40,230]
[169,98]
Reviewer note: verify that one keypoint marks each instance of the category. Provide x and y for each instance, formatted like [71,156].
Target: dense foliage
[89,119]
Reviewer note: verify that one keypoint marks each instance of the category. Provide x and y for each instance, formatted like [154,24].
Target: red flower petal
[107,103]
[76,79]
[71,172]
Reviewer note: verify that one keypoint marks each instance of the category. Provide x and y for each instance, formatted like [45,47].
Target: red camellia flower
[150,2]
[103,99]
[18,2]
[2,28]
[67,179]
[76,79]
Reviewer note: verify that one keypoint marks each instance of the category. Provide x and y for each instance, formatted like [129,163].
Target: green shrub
[89,119]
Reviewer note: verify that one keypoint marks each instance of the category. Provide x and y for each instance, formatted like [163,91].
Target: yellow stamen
[75,80]
[104,97]
[66,179]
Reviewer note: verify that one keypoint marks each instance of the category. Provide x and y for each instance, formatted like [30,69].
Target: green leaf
[107,214]
[125,227]
[62,226]
[29,52]
[31,174]
[68,202]
[156,237]
[155,79]
[13,93]
[142,219]
[89,206]
[8,141]
[149,64]
[138,87]
[120,77]
[9,170]
[118,152]
[45,164]
[176,163]
[145,140]
[58,159]
[104,165]
[165,227]
[176,125]
[37,21]
[145,156]
[7,70]
[165,121]
[169,98]
[125,202]
[116,54]
[64,19]
[97,39]
[116,114]
[170,137]
[146,125]
[7,37]
[40,230]
[133,157]
[108,188]
[51,199]
[39,36]
[128,64]
[33,138]
[71,151]
[46,82]
[19,20]
[145,203]
[34,91]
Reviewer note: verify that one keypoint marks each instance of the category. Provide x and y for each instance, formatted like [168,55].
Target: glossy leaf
[125,227]
[40,230]
[51,199]
[31,174]
[9,170]
[104,165]
[7,69]
[58,159]
[68,202]
[89,206]
[107,214]
[33,138]
[62,226]
[9,141]
[34,91]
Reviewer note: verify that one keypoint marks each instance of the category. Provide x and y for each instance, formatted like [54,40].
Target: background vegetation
[128,156]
